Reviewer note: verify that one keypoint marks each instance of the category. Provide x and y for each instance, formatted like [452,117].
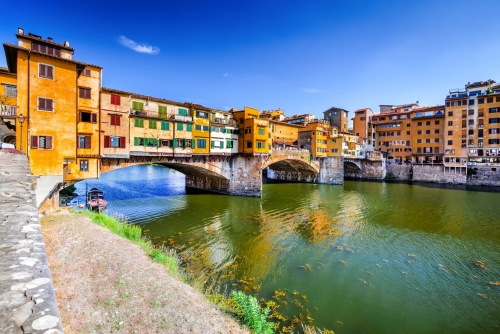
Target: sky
[300,56]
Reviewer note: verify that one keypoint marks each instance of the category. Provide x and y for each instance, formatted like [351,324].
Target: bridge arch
[291,166]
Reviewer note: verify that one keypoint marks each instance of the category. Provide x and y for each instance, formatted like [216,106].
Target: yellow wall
[201,134]
[334,143]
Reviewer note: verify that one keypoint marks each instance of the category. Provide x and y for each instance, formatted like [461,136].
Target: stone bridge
[240,174]
[361,168]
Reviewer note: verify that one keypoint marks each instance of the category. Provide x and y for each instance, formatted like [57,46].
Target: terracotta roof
[5,70]
[12,46]
[112,90]
[362,109]
[40,39]
[392,113]
[429,108]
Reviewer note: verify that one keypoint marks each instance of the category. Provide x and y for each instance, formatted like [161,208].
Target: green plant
[251,314]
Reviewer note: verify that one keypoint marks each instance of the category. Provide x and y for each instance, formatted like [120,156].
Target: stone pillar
[245,176]
[215,184]
[331,170]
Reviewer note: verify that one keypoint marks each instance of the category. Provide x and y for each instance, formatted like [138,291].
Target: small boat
[95,199]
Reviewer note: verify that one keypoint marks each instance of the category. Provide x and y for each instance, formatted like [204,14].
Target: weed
[250,313]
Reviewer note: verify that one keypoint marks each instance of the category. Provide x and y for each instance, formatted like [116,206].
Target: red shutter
[48,142]
[87,141]
[117,118]
[111,120]
[122,142]
[34,141]
[43,49]
[117,101]
[41,70]
[93,118]
[106,142]
[58,53]
[34,46]
[50,72]
[49,104]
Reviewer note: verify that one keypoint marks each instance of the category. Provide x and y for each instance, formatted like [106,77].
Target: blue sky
[300,56]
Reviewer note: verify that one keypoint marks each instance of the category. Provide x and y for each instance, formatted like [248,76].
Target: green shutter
[183,112]
[137,105]
[153,142]
[189,127]
[175,143]
[162,111]
[221,144]
[138,123]
[193,143]
[165,126]
[213,144]
[180,127]
[136,141]
[152,124]
[146,141]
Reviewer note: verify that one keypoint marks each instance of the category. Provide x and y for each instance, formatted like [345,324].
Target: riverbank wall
[27,297]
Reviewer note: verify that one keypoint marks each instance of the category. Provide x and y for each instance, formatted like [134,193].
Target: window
[428,140]
[162,111]
[201,114]
[164,143]
[407,133]
[137,105]
[84,93]
[419,150]
[10,90]
[493,110]
[447,104]
[114,142]
[480,101]
[436,131]
[43,48]
[471,122]
[261,144]
[138,123]
[450,123]
[84,141]
[87,72]
[494,141]
[84,165]
[262,131]
[489,100]
[450,142]
[471,132]
[183,112]
[45,71]
[248,130]
[41,142]
[450,113]
[450,133]
[363,118]
[471,102]
[180,126]
[45,104]
[229,143]
[189,127]
[138,141]
[153,125]
[419,132]
[419,124]
[428,123]
[88,117]
[249,144]
[494,120]
[205,127]
[408,125]
[419,141]
[427,132]
[436,122]
[115,99]
[165,126]
[202,143]
[115,120]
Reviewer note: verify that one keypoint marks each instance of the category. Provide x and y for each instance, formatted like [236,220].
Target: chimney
[66,44]
[49,39]
[20,31]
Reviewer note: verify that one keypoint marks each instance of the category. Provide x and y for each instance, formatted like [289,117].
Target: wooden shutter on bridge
[107,141]
[48,142]
[93,118]
[34,141]
[122,142]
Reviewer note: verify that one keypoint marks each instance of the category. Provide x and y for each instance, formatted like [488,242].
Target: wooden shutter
[122,142]
[107,142]
[117,100]
[48,142]
[137,141]
[112,119]
[34,141]
[222,144]
[34,46]
[41,103]
[58,52]
[50,72]
[93,118]
[117,119]
[49,104]
[41,70]
[87,141]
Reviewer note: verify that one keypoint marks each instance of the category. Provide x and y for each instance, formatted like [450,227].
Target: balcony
[223,121]
[8,111]
[160,115]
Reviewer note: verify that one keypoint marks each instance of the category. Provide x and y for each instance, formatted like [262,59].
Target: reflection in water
[366,256]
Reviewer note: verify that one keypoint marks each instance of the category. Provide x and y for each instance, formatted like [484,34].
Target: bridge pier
[331,170]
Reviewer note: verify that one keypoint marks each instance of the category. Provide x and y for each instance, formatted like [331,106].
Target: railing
[164,115]
[298,152]
[10,111]
[224,121]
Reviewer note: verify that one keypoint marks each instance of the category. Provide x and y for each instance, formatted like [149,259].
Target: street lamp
[21,121]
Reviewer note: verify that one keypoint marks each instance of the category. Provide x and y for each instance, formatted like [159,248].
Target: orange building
[313,137]
[254,136]
[428,135]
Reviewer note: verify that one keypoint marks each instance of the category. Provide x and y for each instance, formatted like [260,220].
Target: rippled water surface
[362,257]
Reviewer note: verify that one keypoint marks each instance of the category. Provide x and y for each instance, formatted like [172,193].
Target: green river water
[365,257]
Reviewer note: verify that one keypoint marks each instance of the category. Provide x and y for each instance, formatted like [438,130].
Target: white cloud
[310,90]
[226,74]
[141,48]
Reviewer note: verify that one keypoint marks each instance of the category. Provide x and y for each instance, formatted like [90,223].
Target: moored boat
[95,199]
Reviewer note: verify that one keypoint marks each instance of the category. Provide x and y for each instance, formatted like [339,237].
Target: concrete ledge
[27,296]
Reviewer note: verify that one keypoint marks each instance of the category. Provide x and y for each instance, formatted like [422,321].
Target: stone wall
[331,170]
[245,176]
[364,169]
[485,176]
[397,171]
[292,176]
[437,173]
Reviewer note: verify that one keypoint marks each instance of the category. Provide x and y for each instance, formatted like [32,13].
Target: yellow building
[334,143]
[254,136]
[313,137]
[201,130]
[8,106]
[284,135]
[53,90]
[275,115]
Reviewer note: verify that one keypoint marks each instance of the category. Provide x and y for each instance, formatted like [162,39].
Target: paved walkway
[27,298]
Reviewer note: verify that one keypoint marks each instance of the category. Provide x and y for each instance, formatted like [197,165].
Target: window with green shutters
[180,126]
[183,112]
[221,144]
[152,124]
[197,127]
[137,141]
[229,144]
[189,127]
[138,123]
[194,143]
[162,111]
[165,126]
[174,143]
[262,131]
[202,143]
[212,144]
[137,105]
[205,127]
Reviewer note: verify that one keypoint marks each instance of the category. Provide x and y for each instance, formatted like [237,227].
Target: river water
[363,257]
